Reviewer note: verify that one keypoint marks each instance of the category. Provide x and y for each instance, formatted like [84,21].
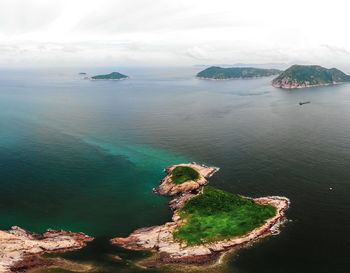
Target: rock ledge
[19,245]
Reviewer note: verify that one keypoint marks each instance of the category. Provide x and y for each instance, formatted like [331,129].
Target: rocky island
[207,222]
[20,249]
[115,76]
[220,73]
[303,76]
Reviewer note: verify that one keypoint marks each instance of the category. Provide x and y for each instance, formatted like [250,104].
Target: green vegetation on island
[111,76]
[182,174]
[218,215]
[299,76]
[220,73]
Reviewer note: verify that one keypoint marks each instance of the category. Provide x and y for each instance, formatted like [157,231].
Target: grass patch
[217,215]
[182,174]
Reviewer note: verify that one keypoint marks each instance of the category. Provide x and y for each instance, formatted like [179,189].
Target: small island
[114,76]
[303,76]
[207,222]
[220,73]
[82,73]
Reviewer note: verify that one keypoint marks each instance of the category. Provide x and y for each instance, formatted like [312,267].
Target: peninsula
[303,76]
[112,76]
[207,222]
[220,73]
[20,249]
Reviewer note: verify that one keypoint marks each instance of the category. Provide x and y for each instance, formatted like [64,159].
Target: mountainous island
[207,222]
[115,76]
[220,73]
[302,76]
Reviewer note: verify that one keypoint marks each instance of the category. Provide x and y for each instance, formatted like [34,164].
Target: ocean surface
[84,156]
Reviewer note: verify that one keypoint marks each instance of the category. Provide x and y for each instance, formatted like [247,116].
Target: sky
[174,32]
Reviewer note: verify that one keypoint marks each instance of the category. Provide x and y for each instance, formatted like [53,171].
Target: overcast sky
[173,32]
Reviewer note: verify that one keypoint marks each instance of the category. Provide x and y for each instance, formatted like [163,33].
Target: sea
[84,156]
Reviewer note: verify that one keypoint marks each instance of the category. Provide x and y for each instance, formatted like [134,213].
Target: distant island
[207,222]
[220,73]
[82,73]
[302,76]
[112,76]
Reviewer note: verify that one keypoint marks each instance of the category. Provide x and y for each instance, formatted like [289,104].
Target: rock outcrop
[18,246]
[168,188]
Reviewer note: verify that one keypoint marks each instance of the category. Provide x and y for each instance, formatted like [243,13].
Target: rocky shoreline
[227,79]
[20,249]
[300,86]
[160,240]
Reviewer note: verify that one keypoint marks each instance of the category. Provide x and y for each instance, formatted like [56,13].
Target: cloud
[182,32]
[18,17]
[198,53]
[337,50]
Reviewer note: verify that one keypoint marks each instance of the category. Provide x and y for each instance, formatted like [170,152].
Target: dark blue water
[84,156]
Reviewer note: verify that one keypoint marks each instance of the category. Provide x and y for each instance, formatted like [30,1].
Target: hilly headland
[220,73]
[303,76]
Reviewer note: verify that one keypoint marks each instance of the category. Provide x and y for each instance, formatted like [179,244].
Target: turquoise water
[84,156]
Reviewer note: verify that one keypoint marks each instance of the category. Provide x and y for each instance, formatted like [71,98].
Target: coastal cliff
[165,240]
[20,248]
